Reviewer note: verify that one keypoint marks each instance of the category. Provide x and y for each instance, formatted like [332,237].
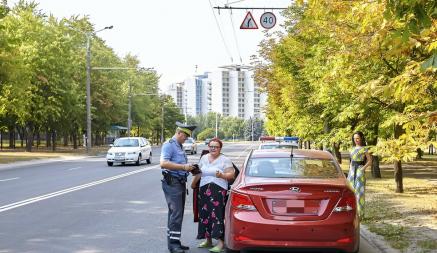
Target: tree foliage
[343,66]
[43,77]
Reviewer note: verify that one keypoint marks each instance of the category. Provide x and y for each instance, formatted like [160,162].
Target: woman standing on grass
[217,170]
[360,160]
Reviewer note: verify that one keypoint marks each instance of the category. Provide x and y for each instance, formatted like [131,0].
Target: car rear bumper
[248,230]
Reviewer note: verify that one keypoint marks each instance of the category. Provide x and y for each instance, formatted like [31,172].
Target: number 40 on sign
[268,20]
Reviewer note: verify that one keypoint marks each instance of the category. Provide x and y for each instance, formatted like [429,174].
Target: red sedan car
[296,199]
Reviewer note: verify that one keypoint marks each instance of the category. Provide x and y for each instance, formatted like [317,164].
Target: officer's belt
[170,179]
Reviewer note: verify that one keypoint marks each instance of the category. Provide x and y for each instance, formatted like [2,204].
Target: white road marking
[75,168]
[9,179]
[72,189]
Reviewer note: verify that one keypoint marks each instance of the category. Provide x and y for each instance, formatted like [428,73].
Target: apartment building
[229,90]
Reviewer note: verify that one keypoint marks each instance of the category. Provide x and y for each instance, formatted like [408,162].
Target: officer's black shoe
[184,247]
[177,250]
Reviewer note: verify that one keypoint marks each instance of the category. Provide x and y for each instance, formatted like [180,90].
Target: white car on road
[129,150]
[190,146]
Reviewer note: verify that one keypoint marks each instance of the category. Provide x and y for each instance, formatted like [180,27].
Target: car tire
[110,163]
[149,160]
[137,163]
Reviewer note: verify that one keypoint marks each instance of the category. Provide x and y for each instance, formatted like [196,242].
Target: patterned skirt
[211,212]
[357,180]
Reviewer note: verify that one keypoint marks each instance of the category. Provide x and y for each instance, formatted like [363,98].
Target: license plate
[295,206]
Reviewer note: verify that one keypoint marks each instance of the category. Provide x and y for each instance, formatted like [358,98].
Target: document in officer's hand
[196,169]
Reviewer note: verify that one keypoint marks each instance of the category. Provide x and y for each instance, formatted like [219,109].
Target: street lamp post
[88,86]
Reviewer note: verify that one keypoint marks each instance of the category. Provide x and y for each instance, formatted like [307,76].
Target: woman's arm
[369,160]
[228,174]
[196,179]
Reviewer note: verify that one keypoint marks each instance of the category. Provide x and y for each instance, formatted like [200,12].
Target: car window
[298,168]
[277,146]
[126,143]
[269,146]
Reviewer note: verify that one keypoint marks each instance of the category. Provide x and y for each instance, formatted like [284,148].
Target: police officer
[175,171]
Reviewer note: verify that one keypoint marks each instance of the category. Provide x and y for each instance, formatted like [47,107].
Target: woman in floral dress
[216,169]
[360,160]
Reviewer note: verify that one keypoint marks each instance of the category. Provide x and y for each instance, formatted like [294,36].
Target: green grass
[427,245]
[396,235]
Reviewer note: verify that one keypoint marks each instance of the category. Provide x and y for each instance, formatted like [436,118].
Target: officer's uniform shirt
[172,151]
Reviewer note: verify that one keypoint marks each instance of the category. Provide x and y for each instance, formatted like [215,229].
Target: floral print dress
[212,198]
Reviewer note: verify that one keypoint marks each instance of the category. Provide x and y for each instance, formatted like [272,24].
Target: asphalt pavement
[82,205]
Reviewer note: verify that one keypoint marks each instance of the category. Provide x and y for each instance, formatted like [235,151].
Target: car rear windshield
[295,168]
[126,143]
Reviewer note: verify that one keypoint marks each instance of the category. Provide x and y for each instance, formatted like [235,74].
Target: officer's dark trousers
[175,197]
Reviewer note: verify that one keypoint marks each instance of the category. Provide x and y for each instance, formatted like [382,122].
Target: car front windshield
[189,141]
[298,168]
[126,143]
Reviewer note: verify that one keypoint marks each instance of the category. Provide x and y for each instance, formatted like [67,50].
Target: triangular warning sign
[249,22]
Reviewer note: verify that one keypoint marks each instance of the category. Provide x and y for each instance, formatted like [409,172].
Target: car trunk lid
[294,199]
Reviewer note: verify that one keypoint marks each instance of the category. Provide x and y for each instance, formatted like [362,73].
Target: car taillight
[347,202]
[242,201]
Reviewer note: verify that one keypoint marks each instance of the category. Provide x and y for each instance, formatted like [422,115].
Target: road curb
[376,241]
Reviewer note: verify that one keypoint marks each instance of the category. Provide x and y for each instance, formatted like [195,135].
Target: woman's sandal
[216,249]
[205,244]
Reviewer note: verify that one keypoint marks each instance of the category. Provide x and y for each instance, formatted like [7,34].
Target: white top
[209,170]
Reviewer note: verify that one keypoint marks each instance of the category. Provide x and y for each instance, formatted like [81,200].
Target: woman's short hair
[216,140]
[363,139]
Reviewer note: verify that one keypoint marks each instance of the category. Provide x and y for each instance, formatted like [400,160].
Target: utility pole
[88,85]
[88,92]
[216,124]
[162,123]
[251,121]
[129,120]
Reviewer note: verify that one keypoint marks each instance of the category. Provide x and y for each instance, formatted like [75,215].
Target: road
[84,206]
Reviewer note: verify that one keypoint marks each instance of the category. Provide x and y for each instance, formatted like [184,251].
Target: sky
[173,36]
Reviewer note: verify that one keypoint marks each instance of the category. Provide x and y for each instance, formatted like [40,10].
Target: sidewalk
[41,161]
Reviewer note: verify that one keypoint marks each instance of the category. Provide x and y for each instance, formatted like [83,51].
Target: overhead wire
[221,33]
[235,35]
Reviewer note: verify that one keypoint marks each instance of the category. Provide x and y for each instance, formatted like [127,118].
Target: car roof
[278,153]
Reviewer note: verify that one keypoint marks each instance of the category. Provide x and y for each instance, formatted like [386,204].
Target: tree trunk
[38,139]
[48,138]
[376,171]
[75,139]
[21,134]
[398,176]
[65,139]
[336,149]
[53,140]
[11,137]
[1,139]
[398,131]
[29,139]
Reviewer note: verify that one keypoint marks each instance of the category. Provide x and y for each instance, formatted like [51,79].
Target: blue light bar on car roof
[291,138]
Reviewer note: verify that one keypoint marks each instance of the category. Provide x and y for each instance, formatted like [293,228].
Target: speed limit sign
[268,20]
